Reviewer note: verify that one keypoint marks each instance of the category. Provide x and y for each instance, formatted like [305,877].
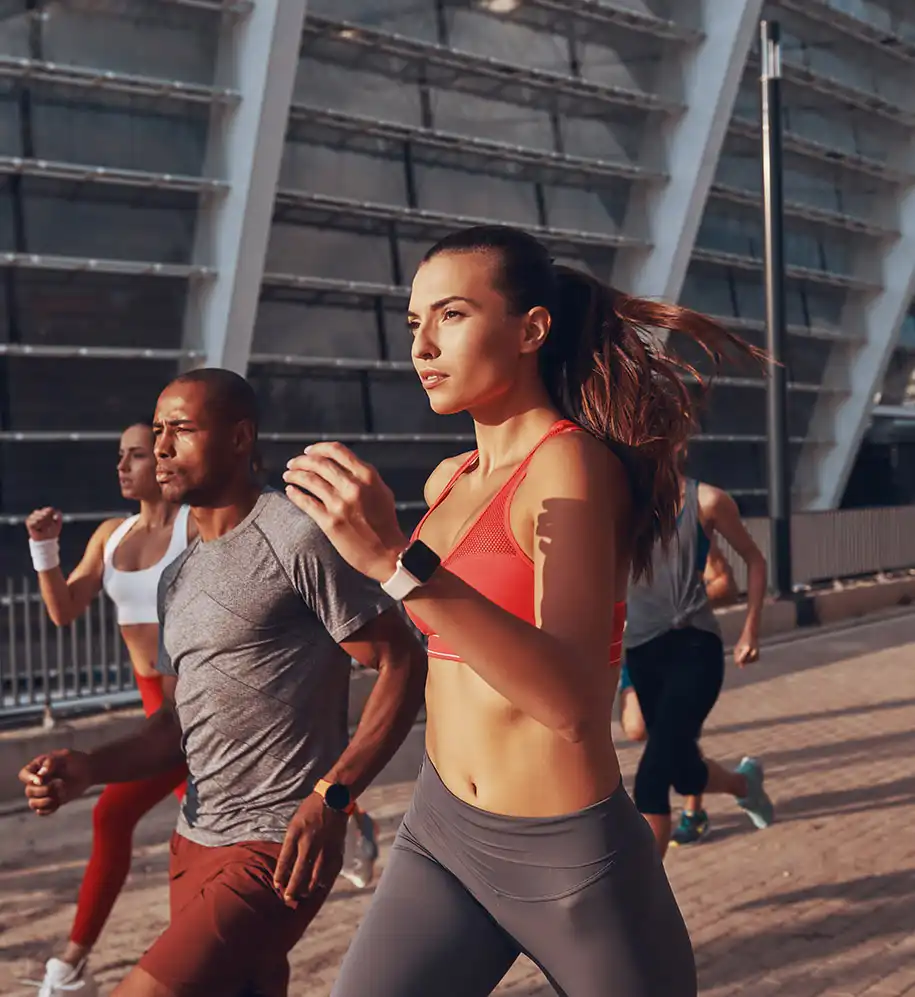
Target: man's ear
[245,437]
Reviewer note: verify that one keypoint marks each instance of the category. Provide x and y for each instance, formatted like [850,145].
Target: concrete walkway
[820,905]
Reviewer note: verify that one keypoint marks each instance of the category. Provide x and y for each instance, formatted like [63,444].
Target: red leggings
[116,814]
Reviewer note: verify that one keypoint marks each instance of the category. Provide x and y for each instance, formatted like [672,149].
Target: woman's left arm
[576,496]
[720,514]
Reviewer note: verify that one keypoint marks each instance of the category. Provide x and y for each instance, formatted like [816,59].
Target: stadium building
[251,185]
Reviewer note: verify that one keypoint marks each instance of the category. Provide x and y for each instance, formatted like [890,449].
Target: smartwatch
[415,566]
[336,796]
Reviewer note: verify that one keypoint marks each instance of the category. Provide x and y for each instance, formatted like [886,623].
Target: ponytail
[604,369]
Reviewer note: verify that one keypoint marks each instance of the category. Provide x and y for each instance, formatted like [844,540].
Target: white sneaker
[60,978]
[361,851]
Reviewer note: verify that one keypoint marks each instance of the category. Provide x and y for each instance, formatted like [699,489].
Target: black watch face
[421,561]
[337,796]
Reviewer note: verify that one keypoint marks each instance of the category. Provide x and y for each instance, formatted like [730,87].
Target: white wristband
[45,553]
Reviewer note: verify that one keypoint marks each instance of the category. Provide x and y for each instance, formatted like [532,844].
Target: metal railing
[590,19]
[109,175]
[131,84]
[793,272]
[85,665]
[82,264]
[43,666]
[851,23]
[840,544]
[805,212]
[811,149]
[843,93]
[409,60]
[302,207]
[434,147]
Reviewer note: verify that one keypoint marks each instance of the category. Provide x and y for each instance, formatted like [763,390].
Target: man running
[260,618]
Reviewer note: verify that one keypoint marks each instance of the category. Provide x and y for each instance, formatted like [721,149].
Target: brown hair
[604,370]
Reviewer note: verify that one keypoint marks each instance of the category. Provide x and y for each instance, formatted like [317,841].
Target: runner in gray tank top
[675,660]
[721,590]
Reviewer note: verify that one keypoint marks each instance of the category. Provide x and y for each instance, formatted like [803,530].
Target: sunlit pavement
[822,903]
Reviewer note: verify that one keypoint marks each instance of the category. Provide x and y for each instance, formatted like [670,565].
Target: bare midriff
[496,758]
[142,641]
[489,753]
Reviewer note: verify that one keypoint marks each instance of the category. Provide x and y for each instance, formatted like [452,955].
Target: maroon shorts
[230,931]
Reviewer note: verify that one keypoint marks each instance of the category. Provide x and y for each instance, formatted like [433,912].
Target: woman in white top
[126,558]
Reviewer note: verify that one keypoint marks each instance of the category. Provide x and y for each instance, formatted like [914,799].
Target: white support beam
[258,58]
[687,148]
[862,365]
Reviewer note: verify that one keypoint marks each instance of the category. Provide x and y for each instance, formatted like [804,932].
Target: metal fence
[85,664]
[843,543]
[45,666]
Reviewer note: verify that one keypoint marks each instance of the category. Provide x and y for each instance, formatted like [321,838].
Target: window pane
[82,309]
[96,395]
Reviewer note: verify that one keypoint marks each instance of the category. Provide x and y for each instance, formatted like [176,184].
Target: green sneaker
[756,804]
[693,827]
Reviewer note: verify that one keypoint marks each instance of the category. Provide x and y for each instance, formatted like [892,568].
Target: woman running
[675,659]
[520,836]
[721,589]
[126,558]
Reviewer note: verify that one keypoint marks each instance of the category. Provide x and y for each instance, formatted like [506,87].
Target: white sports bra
[134,592]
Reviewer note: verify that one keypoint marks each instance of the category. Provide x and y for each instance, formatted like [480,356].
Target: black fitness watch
[336,796]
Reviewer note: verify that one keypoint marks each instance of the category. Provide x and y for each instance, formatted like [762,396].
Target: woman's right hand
[44,524]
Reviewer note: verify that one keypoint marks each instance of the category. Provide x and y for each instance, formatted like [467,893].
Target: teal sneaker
[693,827]
[756,803]
[361,850]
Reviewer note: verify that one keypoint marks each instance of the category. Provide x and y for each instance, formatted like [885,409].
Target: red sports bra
[489,558]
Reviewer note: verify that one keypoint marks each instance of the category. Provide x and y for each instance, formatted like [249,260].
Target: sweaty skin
[488,752]
[518,728]
[524,622]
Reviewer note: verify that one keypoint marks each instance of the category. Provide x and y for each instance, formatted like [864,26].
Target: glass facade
[104,111]
[410,118]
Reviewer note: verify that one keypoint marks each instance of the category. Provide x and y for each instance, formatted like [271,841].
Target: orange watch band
[321,788]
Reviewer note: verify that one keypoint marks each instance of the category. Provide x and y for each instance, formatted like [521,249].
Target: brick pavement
[820,905]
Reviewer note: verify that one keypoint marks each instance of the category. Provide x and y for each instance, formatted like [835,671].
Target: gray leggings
[465,892]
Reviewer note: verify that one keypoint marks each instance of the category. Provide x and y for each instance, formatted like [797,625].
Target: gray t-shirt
[250,624]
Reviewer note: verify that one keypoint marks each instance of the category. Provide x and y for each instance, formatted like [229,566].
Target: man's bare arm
[386,644]
[153,749]
[57,777]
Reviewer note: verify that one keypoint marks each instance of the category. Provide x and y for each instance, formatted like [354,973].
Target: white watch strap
[401,583]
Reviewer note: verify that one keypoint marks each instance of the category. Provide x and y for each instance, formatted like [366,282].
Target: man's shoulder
[284,525]
[173,569]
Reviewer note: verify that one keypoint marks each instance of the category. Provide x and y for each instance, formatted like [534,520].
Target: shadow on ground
[873,907]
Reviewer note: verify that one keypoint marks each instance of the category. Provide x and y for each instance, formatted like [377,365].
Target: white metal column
[669,216]
[258,57]
[843,419]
